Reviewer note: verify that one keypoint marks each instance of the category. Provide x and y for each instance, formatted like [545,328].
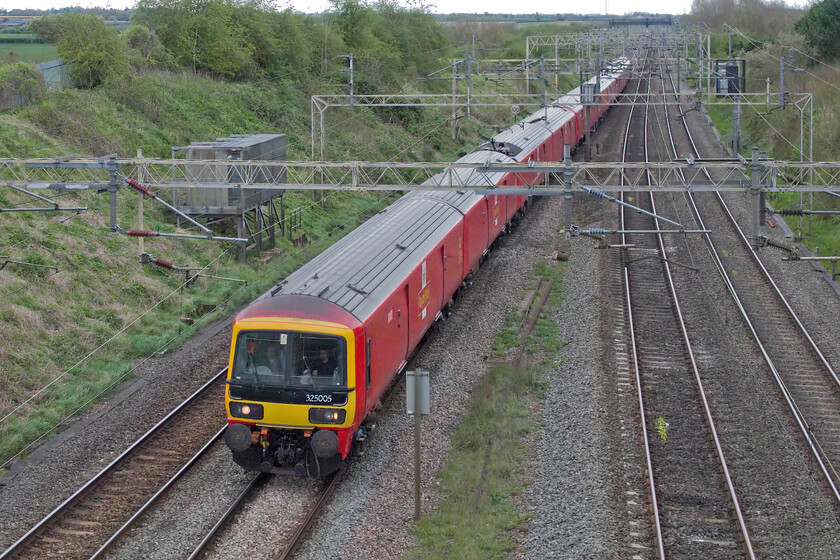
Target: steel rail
[810,438]
[227,515]
[30,536]
[177,476]
[302,530]
[730,485]
[638,376]
[778,292]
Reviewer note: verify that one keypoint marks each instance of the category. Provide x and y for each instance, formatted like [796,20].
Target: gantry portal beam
[534,178]
[321,102]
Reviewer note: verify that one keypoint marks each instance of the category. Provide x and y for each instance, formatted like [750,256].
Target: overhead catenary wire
[818,61]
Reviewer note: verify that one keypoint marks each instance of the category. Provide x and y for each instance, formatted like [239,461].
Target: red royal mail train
[311,359]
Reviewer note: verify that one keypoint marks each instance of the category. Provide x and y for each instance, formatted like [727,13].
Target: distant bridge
[642,20]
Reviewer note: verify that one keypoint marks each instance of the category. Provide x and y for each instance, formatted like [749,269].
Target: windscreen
[290,360]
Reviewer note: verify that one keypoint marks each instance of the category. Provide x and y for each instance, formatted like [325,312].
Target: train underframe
[312,454]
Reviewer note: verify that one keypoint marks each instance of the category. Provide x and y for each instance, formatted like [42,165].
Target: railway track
[227,516]
[696,511]
[807,382]
[93,518]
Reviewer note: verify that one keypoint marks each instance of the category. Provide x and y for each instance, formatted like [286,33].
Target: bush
[765,18]
[250,38]
[144,47]
[87,44]
[20,83]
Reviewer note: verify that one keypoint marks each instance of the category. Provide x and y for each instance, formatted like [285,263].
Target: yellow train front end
[291,395]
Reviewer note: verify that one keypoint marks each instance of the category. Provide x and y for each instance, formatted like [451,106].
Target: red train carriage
[311,359]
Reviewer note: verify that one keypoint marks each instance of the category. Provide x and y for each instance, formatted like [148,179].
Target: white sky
[441,6]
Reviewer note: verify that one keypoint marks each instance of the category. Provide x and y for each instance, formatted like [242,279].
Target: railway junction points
[689,409]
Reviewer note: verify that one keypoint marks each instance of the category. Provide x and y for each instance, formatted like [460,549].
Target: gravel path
[585,496]
[571,495]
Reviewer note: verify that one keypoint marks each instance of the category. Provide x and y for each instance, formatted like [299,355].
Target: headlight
[246,410]
[327,415]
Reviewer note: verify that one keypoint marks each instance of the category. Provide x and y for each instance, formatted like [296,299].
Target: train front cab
[292,396]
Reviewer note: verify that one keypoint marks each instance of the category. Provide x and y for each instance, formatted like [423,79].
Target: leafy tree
[388,40]
[253,39]
[143,44]
[199,34]
[821,28]
[282,43]
[85,42]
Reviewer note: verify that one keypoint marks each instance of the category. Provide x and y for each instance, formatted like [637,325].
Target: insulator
[779,244]
[139,187]
[140,233]
[599,194]
[789,212]
[164,263]
[597,231]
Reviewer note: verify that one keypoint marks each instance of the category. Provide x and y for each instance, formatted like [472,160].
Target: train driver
[274,358]
[324,364]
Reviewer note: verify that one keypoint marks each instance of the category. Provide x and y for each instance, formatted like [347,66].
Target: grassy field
[26,52]
[18,37]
